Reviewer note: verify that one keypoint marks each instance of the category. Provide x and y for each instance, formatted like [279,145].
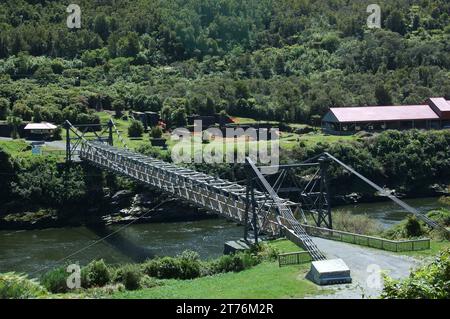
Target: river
[34,251]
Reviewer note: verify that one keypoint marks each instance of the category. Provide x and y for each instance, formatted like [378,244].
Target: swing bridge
[257,205]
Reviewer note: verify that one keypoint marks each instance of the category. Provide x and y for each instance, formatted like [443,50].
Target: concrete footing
[329,272]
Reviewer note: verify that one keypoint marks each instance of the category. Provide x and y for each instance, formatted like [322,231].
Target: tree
[4,108]
[23,111]
[4,51]
[136,129]
[395,22]
[101,26]
[156,132]
[315,119]
[43,183]
[280,67]
[382,95]
[174,112]
[118,108]
[8,174]
[14,122]
[179,117]
[128,46]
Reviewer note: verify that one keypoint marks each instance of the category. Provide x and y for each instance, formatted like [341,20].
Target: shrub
[428,282]
[156,132]
[149,282]
[129,275]
[168,267]
[164,268]
[95,274]
[229,263]
[55,280]
[190,265]
[187,265]
[413,228]
[408,228]
[18,286]
[136,129]
[358,224]
[150,267]
[266,252]
[249,260]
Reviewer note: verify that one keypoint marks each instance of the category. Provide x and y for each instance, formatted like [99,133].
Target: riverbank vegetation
[431,281]
[183,276]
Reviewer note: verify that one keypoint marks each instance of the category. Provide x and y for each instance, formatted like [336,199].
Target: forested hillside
[269,59]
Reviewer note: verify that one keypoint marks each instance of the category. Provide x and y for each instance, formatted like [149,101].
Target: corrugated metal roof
[441,104]
[384,113]
[40,126]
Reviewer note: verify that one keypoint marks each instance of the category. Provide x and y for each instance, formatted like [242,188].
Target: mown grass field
[265,280]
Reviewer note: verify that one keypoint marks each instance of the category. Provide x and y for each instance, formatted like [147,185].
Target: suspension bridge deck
[217,195]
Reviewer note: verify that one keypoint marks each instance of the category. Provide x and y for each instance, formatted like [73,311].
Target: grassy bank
[265,280]
[182,277]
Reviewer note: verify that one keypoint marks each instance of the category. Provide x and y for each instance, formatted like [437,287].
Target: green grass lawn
[284,245]
[265,280]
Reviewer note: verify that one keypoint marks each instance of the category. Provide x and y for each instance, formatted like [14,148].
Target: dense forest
[285,60]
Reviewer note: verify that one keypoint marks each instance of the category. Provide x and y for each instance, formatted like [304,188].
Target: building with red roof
[434,114]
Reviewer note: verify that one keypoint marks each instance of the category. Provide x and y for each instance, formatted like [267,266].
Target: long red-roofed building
[433,114]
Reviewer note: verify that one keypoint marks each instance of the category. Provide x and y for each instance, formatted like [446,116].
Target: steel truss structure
[308,194]
[270,214]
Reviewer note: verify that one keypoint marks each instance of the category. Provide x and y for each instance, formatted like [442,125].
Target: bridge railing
[369,241]
[295,258]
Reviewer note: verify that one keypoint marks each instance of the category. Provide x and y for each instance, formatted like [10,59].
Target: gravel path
[365,265]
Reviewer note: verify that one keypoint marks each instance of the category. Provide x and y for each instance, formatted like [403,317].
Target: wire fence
[369,241]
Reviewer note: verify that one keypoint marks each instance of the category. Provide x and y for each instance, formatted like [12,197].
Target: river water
[34,251]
